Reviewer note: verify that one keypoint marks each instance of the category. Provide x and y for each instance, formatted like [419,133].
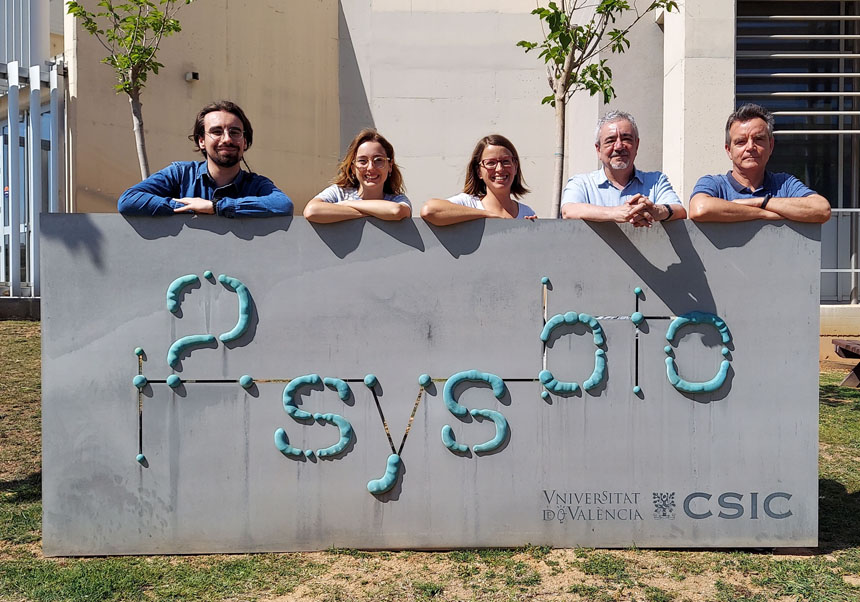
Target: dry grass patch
[20,395]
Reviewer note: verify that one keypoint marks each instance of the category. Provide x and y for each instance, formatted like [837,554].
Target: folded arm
[813,209]
[163,193]
[153,196]
[263,199]
[321,212]
[706,208]
[440,212]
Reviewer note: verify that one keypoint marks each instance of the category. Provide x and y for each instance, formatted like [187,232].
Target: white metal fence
[31,168]
[32,125]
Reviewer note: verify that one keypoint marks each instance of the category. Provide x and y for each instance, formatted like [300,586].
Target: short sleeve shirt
[336,194]
[468,200]
[725,186]
[595,188]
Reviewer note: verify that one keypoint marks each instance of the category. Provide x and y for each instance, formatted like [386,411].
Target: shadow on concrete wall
[152,228]
[344,237]
[90,240]
[683,286]
[354,106]
[738,235]
[465,239]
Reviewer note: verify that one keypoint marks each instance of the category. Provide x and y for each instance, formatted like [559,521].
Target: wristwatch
[767,197]
[671,212]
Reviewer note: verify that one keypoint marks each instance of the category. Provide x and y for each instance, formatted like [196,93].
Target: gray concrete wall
[733,467]
[434,77]
[638,82]
[699,90]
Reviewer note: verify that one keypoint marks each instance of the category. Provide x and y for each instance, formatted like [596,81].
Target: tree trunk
[139,140]
[558,175]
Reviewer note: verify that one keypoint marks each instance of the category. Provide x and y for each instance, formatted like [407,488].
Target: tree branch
[136,26]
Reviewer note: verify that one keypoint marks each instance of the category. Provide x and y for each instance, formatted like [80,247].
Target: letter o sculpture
[597,375]
[697,317]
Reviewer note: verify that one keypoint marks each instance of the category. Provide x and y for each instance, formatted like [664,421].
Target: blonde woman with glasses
[368,184]
[494,182]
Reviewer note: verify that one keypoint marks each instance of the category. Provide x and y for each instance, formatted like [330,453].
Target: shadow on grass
[836,396]
[838,525]
[28,489]
[21,510]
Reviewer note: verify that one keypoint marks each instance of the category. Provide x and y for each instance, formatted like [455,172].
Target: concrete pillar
[698,90]
[40,32]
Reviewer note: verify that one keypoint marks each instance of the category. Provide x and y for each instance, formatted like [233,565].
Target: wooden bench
[849,349]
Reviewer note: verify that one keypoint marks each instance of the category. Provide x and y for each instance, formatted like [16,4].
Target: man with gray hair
[618,192]
[749,191]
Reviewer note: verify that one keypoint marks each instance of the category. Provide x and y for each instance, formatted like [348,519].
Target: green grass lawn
[830,573]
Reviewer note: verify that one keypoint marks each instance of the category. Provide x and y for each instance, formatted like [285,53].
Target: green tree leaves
[131,32]
[573,39]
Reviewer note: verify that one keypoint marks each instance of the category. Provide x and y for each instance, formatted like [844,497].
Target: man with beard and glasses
[222,133]
[618,192]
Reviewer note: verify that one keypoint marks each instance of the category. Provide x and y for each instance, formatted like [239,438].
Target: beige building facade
[426,74]
[435,75]
[277,60]
[432,76]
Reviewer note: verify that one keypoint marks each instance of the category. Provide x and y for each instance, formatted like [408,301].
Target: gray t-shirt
[467,200]
[336,194]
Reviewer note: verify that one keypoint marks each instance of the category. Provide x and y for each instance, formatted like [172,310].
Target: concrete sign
[216,385]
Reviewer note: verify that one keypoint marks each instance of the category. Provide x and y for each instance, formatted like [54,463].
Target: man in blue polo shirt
[618,192]
[749,191]
[222,133]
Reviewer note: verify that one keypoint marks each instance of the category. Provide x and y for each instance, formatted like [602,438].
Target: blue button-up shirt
[249,194]
[595,188]
[779,185]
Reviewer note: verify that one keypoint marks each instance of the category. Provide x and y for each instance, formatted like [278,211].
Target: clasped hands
[640,211]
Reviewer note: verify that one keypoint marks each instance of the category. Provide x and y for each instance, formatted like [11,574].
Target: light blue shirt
[595,188]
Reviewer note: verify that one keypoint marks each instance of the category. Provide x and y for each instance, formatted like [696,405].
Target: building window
[802,61]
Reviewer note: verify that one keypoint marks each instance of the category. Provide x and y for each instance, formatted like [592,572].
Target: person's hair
[615,116]
[475,185]
[346,174]
[199,131]
[750,111]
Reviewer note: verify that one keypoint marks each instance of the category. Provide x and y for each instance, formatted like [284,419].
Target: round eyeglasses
[377,162]
[232,133]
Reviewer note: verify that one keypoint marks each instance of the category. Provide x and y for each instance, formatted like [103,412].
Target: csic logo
[731,505]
